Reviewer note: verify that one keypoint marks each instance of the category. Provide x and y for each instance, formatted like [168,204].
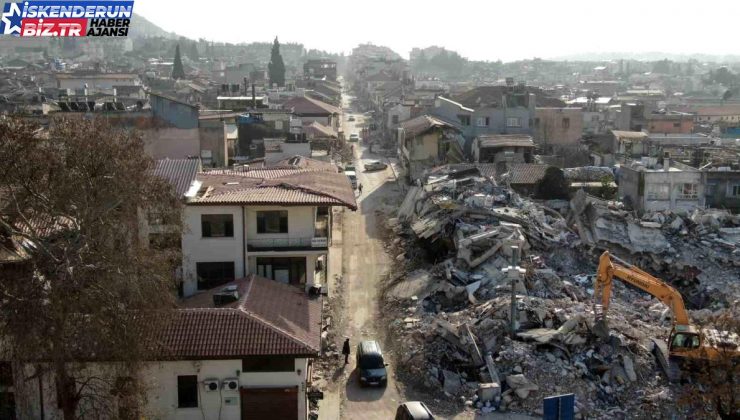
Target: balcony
[289,244]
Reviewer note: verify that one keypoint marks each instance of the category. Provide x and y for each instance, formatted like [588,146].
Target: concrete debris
[521,385]
[451,382]
[457,234]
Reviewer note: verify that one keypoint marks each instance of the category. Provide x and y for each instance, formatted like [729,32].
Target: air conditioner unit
[211,384]
[230,384]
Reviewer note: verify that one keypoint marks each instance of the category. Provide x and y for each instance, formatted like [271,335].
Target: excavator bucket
[601,329]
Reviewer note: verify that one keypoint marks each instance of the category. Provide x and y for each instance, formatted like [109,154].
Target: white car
[351,118]
[354,138]
[375,166]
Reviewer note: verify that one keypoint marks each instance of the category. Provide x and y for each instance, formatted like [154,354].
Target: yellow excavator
[686,342]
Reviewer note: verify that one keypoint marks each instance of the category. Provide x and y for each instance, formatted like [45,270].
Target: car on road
[352,177]
[354,138]
[371,365]
[351,118]
[375,165]
[413,410]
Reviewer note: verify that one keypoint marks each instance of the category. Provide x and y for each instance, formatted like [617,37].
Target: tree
[193,52]
[276,68]
[177,70]
[553,185]
[662,66]
[88,287]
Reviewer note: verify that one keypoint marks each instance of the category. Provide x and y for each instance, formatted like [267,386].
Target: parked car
[354,138]
[370,364]
[413,410]
[351,118]
[375,165]
[352,177]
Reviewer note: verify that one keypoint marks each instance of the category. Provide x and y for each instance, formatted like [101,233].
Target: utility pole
[514,273]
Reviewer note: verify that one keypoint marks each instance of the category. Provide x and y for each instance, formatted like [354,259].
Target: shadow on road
[355,392]
[373,200]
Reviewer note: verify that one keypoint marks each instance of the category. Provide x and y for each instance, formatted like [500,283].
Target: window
[272,221]
[658,192]
[217,225]
[464,119]
[394,119]
[594,118]
[212,274]
[268,364]
[536,123]
[187,391]
[687,191]
[733,190]
[676,125]
[482,121]
[688,341]
[566,123]
[513,122]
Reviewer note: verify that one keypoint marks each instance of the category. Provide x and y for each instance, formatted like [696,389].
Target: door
[269,403]
[282,275]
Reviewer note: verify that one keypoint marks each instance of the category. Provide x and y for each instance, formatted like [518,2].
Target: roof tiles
[269,318]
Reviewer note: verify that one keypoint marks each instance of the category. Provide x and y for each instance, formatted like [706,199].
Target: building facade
[647,186]
[272,222]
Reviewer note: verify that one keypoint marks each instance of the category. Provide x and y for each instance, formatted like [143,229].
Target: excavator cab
[684,341]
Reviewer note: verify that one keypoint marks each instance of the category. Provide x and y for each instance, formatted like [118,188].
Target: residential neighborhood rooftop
[290,187]
[265,318]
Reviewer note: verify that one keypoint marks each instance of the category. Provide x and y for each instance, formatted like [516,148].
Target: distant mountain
[648,56]
[141,27]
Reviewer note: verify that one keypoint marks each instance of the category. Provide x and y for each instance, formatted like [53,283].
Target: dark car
[370,364]
[413,410]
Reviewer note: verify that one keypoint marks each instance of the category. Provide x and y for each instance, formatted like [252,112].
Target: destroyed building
[451,311]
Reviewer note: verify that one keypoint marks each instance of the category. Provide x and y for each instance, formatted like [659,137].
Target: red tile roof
[276,186]
[422,124]
[302,105]
[526,173]
[269,318]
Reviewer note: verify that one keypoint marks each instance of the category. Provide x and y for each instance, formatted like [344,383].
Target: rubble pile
[451,311]
[701,247]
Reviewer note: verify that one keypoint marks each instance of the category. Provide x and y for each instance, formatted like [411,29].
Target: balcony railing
[308,242]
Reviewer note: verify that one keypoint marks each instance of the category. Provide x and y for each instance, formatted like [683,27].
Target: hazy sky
[480,29]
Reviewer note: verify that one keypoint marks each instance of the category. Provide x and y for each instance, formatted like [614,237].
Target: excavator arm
[610,267]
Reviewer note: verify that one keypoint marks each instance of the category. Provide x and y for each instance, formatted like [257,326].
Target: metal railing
[309,242]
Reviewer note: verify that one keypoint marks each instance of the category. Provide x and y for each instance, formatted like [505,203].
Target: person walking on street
[359,187]
[345,350]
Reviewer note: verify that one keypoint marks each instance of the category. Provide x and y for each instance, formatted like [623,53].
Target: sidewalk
[329,407]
